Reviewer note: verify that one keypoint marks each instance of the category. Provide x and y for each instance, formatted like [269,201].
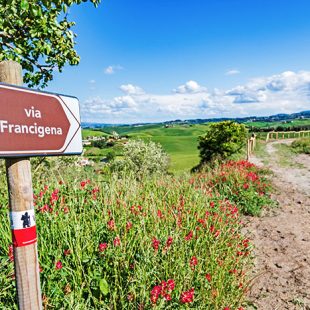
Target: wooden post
[248,150]
[21,199]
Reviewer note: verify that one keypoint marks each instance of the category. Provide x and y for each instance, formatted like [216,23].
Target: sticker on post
[23,227]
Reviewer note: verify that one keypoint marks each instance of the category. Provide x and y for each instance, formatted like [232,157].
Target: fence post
[21,206]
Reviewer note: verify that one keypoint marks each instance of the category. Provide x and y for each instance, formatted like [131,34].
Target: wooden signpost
[32,123]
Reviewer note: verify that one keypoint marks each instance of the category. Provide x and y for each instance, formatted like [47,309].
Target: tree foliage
[37,34]
[221,141]
[142,159]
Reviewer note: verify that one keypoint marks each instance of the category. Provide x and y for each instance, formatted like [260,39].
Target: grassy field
[297,122]
[179,141]
[92,133]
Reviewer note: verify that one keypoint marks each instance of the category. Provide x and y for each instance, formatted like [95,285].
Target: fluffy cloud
[131,89]
[232,72]
[189,87]
[112,69]
[287,92]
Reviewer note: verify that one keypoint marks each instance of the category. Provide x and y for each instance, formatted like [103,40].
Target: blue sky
[169,59]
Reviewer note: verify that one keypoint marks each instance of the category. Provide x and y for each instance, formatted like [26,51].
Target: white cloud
[287,92]
[131,89]
[190,87]
[232,72]
[112,69]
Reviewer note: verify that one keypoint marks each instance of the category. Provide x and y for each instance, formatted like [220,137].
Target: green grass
[297,122]
[182,150]
[260,151]
[179,141]
[92,133]
[301,146]
[286,156]
[106,241]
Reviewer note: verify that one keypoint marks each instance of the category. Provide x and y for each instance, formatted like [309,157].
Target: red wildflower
[44,209]
[156,291]
[11,254]
[187,296]
[189,236]
[170,284]
[169,241]
[58,265]
[95,190]
[208,277]
[111,225]
[128,226]
[67,252]
[117,241]
[193,262]
[155,243]
[102,247]
[159,214]
[252,176]
[161,290]
[54,195]
[245,185]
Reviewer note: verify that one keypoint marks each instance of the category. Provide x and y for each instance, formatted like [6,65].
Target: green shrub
[221,140]
[242,183]
[301,146]
[142,159]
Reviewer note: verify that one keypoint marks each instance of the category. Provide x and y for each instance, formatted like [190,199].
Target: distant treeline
[279,128]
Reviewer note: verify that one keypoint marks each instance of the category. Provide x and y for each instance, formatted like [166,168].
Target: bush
[221,140]
[241,182]
[301,146]
[111,155]
[142,159]
[101,144]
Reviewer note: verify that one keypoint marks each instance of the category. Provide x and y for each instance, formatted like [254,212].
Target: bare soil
[281,237]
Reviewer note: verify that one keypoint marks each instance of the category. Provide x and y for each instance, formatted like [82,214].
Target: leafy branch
[38,35]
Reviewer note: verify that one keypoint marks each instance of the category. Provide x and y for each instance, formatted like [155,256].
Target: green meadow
[295,122]
[179,141]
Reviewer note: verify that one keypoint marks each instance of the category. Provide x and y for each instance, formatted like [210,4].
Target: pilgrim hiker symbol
[26,220]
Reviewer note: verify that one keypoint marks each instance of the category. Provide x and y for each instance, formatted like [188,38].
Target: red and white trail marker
[34,123]
[23,227]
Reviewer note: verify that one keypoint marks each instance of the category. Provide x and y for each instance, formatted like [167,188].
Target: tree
[37,34]
[221,141]
[142,159]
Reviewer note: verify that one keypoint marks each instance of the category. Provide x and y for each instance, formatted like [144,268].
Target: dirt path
[282,239]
